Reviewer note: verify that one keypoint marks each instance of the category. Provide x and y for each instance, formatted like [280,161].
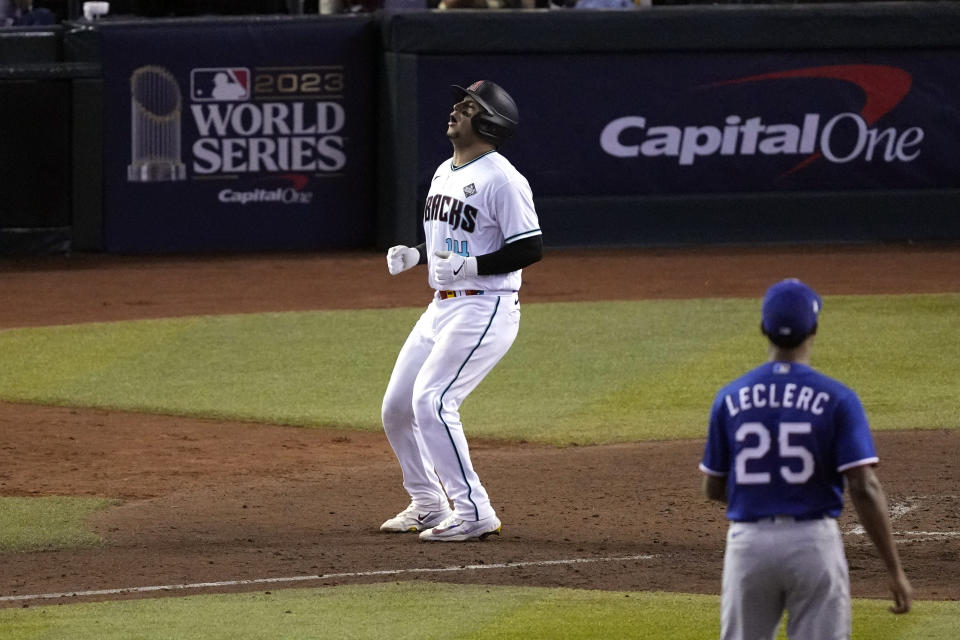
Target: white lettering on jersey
[761,396]
[817,408]
[731,409]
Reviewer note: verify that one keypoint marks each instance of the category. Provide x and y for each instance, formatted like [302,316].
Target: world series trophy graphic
[155,111]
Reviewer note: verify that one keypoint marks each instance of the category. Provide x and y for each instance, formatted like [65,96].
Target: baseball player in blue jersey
[782,439]
[481,229]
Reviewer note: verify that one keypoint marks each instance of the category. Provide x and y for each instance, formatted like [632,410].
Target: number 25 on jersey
[784,451]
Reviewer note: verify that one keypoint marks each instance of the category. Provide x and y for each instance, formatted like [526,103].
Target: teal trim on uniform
[454,167]
[476,509]
[522,235]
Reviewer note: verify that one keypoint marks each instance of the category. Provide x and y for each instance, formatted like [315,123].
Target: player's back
[788,432]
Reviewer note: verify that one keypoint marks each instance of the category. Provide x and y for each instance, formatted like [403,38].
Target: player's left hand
[450,267]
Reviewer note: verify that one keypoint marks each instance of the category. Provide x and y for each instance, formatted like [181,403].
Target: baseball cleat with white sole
[415,519]
[456,529]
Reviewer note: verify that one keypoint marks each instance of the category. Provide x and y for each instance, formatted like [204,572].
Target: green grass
[32,524]
[579,373]
[585,373]
[419,610]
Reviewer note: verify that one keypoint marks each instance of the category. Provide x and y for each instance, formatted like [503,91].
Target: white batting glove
[400,258]
[450,267]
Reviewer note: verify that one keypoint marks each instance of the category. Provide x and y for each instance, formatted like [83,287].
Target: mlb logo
[220,84]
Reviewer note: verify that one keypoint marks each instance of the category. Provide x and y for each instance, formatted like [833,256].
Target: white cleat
[456,529]
[414,519]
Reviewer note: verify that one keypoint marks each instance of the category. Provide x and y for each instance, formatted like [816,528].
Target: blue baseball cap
[790,310]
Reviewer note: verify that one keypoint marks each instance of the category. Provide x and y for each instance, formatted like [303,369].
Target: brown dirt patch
[208,501]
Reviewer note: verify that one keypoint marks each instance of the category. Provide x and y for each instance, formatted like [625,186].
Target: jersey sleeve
[854,443]
[716,453]
[516,214]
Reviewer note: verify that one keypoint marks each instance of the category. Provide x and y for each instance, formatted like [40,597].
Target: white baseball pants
[782,565]
[453,346]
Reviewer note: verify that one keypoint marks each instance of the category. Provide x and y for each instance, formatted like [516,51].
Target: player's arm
[715,487]
[515,255]
[867,496]
[401,257]
[715,464]
[512,256]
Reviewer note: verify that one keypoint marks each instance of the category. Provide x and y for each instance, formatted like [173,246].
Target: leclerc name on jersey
[747,137]
[770,396]
[448,209]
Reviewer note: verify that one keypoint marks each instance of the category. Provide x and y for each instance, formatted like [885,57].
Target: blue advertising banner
[715,122]
[238,135]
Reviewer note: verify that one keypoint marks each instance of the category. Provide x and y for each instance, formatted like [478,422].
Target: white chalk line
[325,576]
[900,509]
[897,510]
[928,534]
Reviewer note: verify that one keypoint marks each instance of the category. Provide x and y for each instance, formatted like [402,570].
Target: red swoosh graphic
[883,87]
[298,179]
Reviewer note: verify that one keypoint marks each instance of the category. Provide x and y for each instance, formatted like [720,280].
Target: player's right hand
[400,258]
[902,593]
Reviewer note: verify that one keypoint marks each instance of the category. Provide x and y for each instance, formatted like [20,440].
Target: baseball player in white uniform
[481,229]
[782,440]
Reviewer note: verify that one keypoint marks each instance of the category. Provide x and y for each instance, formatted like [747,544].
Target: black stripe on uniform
[440,409]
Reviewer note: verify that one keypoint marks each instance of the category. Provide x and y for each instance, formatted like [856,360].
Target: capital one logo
[839,138]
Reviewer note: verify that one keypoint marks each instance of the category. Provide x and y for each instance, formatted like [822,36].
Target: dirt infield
[206,501]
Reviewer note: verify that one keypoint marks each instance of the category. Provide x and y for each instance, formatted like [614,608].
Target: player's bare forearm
[868,498]
[870,502]
[715,488]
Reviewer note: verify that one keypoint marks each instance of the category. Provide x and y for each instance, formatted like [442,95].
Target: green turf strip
[578,373]
[32,524]
[418,610]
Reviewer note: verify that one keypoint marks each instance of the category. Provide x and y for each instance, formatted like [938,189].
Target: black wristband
[422,250]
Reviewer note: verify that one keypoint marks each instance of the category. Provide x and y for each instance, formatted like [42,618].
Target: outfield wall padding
[693,67]
[670,125]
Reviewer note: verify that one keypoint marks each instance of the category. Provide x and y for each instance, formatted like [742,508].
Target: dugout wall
[34,141]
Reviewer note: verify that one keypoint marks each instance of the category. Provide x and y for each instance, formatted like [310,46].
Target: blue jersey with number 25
[783,434]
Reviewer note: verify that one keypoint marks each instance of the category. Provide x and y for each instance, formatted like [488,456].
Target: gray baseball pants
[780,564]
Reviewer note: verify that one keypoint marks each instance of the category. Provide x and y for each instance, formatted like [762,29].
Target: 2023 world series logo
[279,122]
[269,119]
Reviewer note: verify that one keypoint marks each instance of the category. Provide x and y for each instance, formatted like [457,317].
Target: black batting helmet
[499,116]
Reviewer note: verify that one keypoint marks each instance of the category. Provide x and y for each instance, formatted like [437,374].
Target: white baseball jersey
[476,209]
